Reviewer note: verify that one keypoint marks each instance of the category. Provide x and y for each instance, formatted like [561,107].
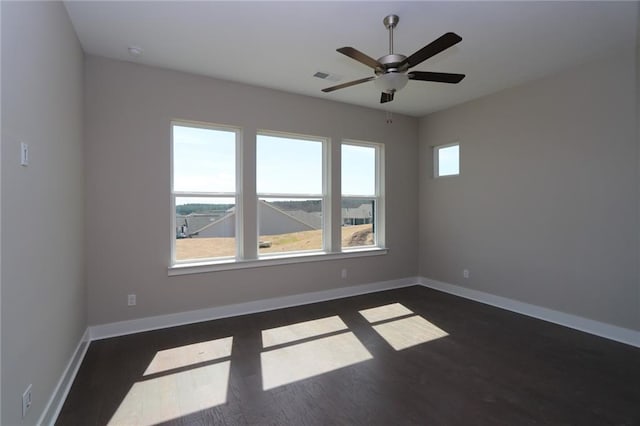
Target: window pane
[289,225]
[358,222]
[205,227]
[449,160]
[358,170]
[203,160]
[288,166]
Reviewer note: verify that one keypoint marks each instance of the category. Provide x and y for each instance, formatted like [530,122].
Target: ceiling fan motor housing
[390,63]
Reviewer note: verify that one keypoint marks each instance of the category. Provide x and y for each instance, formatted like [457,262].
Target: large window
[204,192]
[269,199]
[290,189]
[361,194]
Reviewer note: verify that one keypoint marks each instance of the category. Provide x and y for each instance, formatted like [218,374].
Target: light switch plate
[24,154]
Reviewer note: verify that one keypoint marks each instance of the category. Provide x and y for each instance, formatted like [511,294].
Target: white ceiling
[281,45]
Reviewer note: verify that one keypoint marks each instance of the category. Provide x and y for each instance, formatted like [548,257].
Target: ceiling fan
[392,70]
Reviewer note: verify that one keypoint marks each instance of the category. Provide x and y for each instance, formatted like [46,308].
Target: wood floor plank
[435,359]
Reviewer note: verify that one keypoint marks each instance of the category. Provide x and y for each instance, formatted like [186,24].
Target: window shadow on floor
[411,356]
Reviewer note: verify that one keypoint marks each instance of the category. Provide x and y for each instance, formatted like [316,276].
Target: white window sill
[279,259]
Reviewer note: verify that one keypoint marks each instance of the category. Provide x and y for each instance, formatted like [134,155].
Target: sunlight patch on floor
[304,360]
[301,330]
[385,312]
[407,332]
[171,396]
[182,356]
[404,332]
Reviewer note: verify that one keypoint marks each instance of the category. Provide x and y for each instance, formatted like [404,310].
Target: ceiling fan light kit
[391,82]
[392,70]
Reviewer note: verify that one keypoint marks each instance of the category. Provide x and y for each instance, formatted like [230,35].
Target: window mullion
[335,195]
[248,247]
[327,216]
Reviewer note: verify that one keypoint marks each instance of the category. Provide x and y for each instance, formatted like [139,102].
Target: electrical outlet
[465,273]
[26,401]
[344,273]
[131,300]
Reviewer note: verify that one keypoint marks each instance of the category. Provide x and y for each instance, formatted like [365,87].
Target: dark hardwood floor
[458,363]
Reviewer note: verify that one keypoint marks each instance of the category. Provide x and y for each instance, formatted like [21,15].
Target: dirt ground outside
[202,248]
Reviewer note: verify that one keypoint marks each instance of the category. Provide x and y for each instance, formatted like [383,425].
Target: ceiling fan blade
[348,84]
[440,77]
[432,49]
[386,97]
[360,57]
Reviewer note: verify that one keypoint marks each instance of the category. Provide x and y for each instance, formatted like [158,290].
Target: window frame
[247,197]
[378,197]
[324,196]
[236,195]
[436,160]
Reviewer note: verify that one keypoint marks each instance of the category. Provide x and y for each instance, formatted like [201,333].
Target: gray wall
[128,110]
[638,153]
[545,210]
[43,292]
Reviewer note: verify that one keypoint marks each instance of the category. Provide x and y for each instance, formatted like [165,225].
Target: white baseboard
[612,332]
[121,328]
[59,395]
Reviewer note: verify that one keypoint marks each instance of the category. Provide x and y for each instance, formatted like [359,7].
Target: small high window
[446,160]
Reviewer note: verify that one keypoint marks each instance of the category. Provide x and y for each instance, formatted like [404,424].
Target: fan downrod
[391,61]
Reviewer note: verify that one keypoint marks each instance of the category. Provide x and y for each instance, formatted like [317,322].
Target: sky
[204,161]
[449,160]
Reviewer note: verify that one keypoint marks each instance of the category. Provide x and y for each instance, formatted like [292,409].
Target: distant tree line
[352,203]
[308,206]
[187,209]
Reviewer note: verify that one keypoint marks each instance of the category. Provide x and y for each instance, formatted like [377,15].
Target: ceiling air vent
[327,76]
